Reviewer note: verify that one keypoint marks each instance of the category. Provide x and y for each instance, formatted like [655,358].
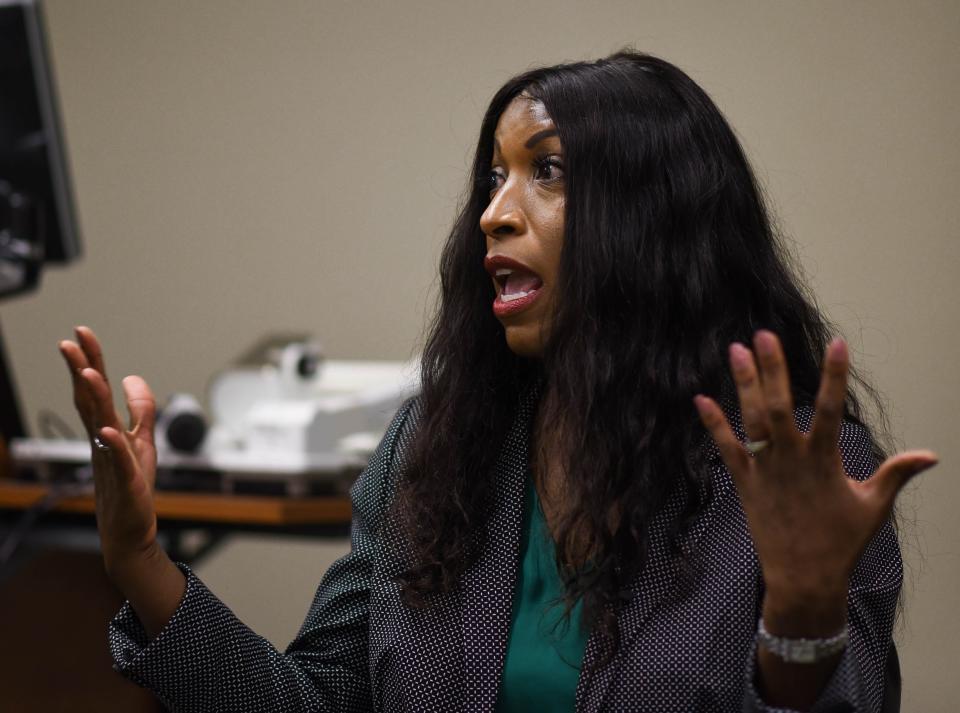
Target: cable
[49,501]
[50,421]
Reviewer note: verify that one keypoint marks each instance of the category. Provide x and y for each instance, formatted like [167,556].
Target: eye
[493,180]
[548,169]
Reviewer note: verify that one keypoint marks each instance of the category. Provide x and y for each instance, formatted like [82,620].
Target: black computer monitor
[37,217]
[38,222]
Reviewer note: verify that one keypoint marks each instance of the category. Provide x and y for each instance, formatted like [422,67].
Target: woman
[602,498]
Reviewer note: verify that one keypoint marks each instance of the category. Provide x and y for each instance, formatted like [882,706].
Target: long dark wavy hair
[668,257]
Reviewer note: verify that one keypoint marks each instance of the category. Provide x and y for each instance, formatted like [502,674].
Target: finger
[776,387]
[731,450]
[895,472]
[142,407]
[91,348]
[82,398]
[104,412]
[75,358]
[831,397]
[750,392]
[122,459]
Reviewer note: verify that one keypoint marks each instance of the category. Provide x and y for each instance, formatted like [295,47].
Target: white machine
[300,410]
[284,411]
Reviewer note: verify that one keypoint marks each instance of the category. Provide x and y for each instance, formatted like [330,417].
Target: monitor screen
[33,164]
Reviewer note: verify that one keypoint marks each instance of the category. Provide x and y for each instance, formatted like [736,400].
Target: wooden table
[192,493]
[213,508]
[214,514]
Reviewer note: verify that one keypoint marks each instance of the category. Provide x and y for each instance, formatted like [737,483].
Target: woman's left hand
[809,521]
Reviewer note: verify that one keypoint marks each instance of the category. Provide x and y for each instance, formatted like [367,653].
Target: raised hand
[809,522]
[124,468]
[124,472]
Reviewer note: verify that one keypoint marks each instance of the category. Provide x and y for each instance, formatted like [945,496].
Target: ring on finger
[755,447]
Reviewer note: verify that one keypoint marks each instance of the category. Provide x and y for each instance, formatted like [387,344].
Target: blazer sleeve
[205,659]
[857,683]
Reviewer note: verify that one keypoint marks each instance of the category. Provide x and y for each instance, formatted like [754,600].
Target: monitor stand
[11,422]
[22,250]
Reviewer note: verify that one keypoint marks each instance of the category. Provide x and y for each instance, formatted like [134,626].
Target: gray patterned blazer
[361,649]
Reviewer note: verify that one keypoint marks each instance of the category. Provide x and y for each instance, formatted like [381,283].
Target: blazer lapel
[648,589]
[488,586]
[656,580]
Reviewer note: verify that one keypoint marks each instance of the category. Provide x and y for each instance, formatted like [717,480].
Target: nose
[504,216]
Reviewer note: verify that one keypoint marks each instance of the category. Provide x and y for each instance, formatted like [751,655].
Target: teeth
[503,271]
[514,296]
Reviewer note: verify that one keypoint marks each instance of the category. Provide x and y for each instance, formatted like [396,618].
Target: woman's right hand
[124,475]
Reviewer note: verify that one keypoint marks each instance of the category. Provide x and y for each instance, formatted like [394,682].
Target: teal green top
[544,651]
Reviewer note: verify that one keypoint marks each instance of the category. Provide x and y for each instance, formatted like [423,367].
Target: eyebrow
[538,137]
[532,141]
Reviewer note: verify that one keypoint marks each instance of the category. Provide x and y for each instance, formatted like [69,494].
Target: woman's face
[523,224]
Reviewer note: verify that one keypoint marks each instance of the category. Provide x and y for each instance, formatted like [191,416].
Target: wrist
[130,568]
[153,585]
[811,616]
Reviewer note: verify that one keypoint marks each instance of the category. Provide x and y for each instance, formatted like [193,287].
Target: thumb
[896,471]
[142,407]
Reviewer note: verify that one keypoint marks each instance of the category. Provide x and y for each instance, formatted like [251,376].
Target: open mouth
[515,284]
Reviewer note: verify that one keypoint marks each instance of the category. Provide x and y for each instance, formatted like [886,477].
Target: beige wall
[246,166]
